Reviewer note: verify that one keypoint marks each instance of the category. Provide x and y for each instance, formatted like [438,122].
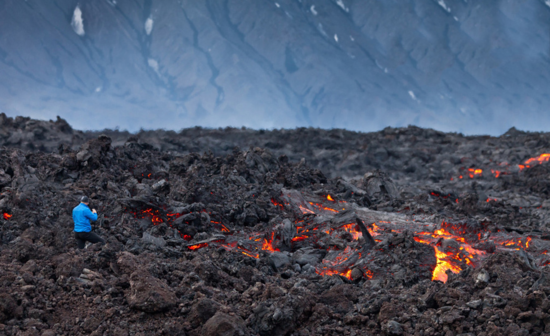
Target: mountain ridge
[465,66]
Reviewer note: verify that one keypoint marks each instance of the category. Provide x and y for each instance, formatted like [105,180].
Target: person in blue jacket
[82,216]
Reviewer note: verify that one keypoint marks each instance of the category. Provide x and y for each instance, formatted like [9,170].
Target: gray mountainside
[459,65]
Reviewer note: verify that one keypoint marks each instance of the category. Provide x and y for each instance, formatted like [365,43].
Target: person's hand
[93,210]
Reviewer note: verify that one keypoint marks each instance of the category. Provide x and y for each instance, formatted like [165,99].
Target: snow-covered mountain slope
[456,65]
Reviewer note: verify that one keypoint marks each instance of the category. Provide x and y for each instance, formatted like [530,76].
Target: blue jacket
[82,215]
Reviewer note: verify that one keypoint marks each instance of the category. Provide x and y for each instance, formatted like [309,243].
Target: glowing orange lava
[305,210]
[197,246]
[353,230]
[7,216]
[320,206]
[536,160]
[277,203]
[330,198]
[248,253]
[268,245]
[517,243]
[442,266]
[473,172]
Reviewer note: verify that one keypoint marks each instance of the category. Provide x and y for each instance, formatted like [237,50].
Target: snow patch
[153,64]
[149,25]
[322,30]
[444,5]
[351,38]
[412,95]
[547,2]
[277,4]
[314,12]
[335,37]
[456,19]
[112,2]
[78,23]
[342,5]
[380,66]
[98,89]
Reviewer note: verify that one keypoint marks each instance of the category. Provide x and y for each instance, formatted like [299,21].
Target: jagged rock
[157,241]
[279,260]
[222,324]
[7,307]
[205,246]
[308,255]
[149,294]
[202,311]
[393,328]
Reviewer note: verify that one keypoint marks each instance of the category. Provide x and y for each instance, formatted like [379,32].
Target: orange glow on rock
[536,160]
[248,253]
[299,238]
[442,266]
[353,230]
[7,216]
[322,207]
[330,198]
[329,272]
[275,203]
[473,172]
[197,246]
[268,245]
[305,210]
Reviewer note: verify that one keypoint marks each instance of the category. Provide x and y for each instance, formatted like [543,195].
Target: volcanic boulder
[340,297]
[202,311]
[279,260]
[149,294]
[7,306]
[94,152]
[308,255]
[223,324]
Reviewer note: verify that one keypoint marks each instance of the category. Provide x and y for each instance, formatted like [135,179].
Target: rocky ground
[291,232]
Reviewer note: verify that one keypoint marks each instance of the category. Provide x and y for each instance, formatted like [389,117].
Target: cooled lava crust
[299,232]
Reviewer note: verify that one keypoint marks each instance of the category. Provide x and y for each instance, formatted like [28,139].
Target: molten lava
[473,172]
[442,266]
[305,210]
[275,203]
[7,216]
[197,246]
[354,230]
[453,243]
[248,253]
[496,173]
[322,207]
[530,163]
[268,244]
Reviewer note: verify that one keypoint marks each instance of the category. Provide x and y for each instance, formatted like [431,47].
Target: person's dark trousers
[83,237]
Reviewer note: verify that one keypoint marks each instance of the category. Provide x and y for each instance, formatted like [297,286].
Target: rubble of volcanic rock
[257,242]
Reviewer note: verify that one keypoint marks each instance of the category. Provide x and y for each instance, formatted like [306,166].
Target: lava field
[406,231]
